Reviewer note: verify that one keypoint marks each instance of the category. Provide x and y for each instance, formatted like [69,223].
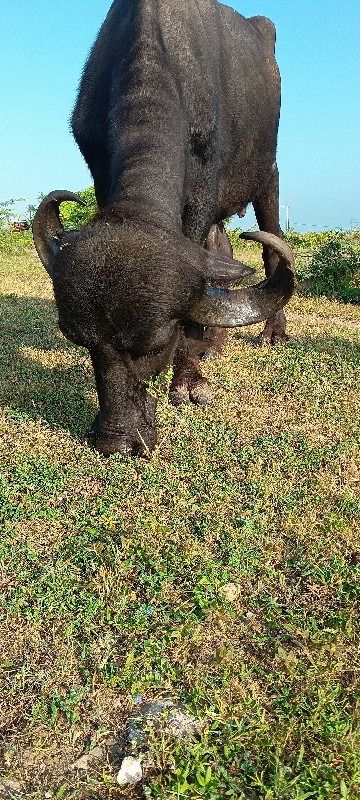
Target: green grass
[112,571]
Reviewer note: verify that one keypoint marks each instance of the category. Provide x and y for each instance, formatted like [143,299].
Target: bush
[333,269]
[238,244]
[306,243]
[12,243]
[327,263]
[74,216]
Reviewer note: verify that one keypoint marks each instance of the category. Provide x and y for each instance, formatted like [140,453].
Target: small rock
[109,748]
[88,760]
[230,591]
[81,763]
[162,716]
[130,772]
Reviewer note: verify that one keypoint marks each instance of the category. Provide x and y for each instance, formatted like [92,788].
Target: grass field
[112,572]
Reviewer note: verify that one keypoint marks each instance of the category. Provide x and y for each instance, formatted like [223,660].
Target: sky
[43,47]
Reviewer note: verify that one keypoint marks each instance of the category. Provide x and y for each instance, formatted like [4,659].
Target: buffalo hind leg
[266,208]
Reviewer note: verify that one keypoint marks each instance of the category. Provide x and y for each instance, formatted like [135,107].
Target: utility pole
[287,206]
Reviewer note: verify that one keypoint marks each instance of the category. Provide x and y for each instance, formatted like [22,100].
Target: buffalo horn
[235,307]
[47,228]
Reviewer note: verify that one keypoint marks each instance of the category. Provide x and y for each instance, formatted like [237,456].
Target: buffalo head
[122,290]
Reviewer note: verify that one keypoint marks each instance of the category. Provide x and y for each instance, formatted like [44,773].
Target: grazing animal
[20,226]
[176,117]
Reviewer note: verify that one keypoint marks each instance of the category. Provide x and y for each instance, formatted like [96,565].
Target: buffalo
[20,226]
[177,118]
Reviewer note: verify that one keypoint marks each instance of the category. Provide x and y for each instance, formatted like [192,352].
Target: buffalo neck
[148,127]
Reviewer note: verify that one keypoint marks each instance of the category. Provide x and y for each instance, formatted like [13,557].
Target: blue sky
[43,46]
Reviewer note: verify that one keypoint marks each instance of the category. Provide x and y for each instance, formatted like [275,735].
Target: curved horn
[47,228]
[232,308]
[269,239]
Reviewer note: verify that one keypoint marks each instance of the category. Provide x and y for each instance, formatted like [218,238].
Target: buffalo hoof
[272,338]
[179,395]
[208,355]
[126,445]
[274,330]
[108,447]
[200,393]
[279,337]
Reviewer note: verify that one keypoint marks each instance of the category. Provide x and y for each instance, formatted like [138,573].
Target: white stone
[130,772]
[230,591]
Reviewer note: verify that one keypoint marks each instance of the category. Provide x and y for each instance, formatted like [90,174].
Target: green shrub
[74,216]
[12,243]
[333,269]
[327,263]
[306,243]
[238,244]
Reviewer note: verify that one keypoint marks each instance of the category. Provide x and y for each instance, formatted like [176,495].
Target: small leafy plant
[160,385]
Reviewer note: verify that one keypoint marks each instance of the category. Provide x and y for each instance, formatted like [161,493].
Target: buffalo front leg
[197,342]
[126,420]
[266,208]
[188,383]
[214,339]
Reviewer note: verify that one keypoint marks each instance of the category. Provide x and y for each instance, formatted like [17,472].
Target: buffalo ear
[221,268]
[47,228]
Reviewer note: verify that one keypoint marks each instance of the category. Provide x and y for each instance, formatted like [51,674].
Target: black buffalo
[177,118]
[20,227]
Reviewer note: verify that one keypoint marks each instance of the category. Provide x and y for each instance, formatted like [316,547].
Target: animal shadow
[42,374]
[59,391]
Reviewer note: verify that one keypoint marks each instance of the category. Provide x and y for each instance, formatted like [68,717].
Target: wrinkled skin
[177,118]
